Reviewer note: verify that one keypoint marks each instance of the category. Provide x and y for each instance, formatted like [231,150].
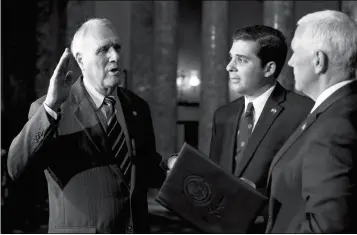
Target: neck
[260,91]
[327,80]
[105,91]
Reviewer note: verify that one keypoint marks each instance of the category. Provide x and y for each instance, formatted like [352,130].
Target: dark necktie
[116,137]
[245,130]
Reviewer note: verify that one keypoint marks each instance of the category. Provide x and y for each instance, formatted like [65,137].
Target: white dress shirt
[328,92]
[258,104]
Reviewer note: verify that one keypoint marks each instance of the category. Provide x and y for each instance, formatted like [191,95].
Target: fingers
[171,162]
[69,78]
[248,182]
[62,64]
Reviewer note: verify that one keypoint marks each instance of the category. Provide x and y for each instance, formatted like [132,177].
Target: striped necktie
[116,137]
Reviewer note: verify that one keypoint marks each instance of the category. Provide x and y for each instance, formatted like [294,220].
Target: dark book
[212,199]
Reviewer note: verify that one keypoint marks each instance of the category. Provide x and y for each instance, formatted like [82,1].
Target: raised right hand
[60,83]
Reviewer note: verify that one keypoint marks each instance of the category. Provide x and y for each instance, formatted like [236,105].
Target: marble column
[140,75]
[164,109]
[350,8]
[214,54]
[280,15]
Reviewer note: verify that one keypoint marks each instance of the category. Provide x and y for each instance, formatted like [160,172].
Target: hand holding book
[202,192]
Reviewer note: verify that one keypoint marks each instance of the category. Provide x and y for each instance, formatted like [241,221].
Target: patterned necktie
[249,117]
[116,137]
[245,130]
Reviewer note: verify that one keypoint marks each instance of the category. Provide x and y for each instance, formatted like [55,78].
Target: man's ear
[269,69]
[79,59]
[320,62]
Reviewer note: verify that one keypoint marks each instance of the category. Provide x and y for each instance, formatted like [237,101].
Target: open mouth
[114,71]
[234,79]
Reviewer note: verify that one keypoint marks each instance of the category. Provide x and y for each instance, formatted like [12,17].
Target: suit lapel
[270,112]
[297,133]
[124,115]
[231,129]
[311,118]
[84,113]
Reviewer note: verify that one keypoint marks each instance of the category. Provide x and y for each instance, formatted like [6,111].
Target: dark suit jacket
[282,113]
[86,190]
[313,180]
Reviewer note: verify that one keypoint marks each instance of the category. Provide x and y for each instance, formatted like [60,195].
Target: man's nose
[230,67]
[113,55]
[290,61]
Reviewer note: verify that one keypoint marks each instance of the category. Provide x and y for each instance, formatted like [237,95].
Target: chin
[297,85]
[113,81]
[237,86]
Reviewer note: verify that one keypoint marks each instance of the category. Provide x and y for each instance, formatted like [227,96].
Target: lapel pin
[273,111]
[135,113]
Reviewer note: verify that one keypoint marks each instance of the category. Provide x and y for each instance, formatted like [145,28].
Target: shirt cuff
[51,112]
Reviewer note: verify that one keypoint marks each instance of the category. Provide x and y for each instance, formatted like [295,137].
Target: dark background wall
[18,69]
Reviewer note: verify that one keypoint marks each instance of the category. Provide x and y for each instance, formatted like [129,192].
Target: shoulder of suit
[295,96]
[132,96]
[295,99]
[231,105]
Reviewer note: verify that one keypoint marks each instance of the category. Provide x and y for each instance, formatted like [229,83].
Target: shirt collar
[260,101]
[97,97]
[328,92]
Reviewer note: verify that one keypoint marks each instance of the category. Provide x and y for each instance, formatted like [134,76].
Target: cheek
[301,61]
[253,71]
[250,75]
[99,67]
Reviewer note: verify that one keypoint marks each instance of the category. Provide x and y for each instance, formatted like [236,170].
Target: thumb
[69,78]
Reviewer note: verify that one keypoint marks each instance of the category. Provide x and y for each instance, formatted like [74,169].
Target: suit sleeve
[329,179]
[155,164]
[213,136]
[25,150]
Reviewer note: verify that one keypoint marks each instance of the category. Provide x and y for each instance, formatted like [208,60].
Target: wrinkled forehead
[98,36]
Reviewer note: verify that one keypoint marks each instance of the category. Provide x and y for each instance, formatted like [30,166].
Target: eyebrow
[108,45]
[239,55]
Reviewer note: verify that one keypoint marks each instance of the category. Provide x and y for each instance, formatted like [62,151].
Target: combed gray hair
[334,33]
[77,41]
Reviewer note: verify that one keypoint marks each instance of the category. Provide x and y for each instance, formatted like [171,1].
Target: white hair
[334,33]
[77,41]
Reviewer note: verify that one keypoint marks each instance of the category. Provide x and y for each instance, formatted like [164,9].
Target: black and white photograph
[178,117]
